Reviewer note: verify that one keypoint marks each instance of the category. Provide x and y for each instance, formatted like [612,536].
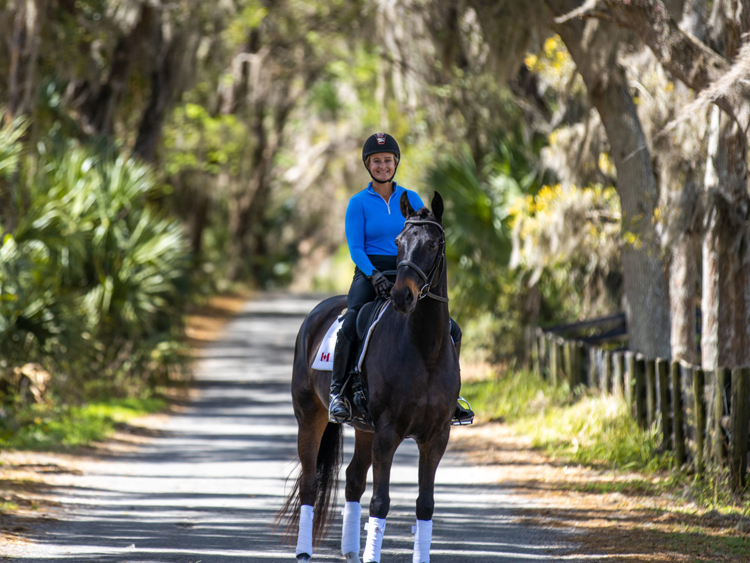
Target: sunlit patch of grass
[582,427]
[512,396]
[8,506]
[44,427]
[595,430]
[628,487]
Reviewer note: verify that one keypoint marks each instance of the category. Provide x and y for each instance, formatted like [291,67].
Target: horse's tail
[328,464]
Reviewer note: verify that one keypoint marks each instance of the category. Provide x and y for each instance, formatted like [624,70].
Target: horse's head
[421,254]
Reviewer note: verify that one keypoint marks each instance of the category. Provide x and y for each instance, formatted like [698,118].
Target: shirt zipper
[387,203]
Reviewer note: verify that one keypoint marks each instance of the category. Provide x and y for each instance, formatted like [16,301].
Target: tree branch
[585,9]
[688,59]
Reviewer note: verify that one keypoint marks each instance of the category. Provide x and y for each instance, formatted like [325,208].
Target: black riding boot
[339,409]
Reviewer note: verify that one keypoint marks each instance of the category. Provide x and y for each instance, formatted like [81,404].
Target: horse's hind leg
[356,481]
[311,426]
[430,454]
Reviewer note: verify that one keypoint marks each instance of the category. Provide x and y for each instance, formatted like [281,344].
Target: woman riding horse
[412,379]
[373,221]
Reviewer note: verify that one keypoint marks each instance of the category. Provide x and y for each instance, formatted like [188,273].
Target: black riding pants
[362,292]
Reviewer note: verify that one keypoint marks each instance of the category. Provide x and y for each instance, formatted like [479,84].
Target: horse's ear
[437,206]
[406,208]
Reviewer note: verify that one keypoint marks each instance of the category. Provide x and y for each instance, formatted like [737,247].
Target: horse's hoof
[351,557]
[304,558]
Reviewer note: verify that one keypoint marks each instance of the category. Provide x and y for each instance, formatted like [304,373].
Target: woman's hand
[381,284]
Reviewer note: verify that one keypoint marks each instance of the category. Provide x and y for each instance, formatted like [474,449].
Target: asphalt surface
[207,488]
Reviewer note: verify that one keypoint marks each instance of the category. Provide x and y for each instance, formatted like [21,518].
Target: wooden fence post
[722,399]
[534,342]
[629,380]
[554,361]
[678,414]
[740,419]
[527,331]
[699,393]
[543,353]
[639,391]
[568,360]
[607,368]
[662,369]
[651,392]
[618,383]
[594,377]
[581,376]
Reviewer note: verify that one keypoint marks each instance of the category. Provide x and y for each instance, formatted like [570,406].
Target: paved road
[207,489]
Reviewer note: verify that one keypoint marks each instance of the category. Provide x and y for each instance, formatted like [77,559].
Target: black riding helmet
[380,142]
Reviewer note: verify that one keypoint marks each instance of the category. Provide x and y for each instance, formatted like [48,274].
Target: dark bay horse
[412,376]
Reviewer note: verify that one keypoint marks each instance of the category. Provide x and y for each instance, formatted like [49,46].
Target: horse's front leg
[384,446]
[356,481]
[430,454]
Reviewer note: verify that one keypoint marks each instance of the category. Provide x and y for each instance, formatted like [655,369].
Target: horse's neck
[430,321]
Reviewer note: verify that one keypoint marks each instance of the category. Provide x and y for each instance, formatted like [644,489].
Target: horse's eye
[433,244]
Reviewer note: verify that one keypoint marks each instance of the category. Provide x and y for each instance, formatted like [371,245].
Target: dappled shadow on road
[646,534]
[208,485]
[216,534]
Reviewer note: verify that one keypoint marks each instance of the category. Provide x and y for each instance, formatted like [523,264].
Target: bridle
[433,275]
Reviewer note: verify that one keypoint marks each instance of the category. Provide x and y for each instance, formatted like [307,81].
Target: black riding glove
[381,284]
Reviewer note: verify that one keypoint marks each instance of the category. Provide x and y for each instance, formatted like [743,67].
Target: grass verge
[596,431]
[600,474]
[54,427]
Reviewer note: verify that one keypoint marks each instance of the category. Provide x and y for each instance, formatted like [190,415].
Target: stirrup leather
[339,400]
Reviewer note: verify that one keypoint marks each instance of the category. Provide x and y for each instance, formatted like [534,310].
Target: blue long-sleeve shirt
[372,224]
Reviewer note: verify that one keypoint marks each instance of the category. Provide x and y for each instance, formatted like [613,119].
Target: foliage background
[152,153]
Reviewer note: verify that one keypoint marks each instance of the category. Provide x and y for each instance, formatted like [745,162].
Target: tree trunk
[101,105]
[22,81]
[683,280]
[22,94]
[725,340]
[726,288]
[172,72]
[644,277]
[162,83]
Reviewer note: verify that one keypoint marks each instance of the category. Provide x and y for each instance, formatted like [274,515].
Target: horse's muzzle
[403,299]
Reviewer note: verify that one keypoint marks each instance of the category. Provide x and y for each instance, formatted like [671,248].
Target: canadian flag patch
[324,357]
[380,138]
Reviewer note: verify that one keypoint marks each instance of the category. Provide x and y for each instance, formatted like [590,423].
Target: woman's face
[382,166]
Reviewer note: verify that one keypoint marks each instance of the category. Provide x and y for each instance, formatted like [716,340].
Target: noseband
[430,278]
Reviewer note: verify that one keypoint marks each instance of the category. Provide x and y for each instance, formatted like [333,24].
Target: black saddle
[367,315]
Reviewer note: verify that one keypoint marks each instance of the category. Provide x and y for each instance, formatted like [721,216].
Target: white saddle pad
[324,357]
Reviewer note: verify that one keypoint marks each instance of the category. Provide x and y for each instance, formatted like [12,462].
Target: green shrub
[93,279]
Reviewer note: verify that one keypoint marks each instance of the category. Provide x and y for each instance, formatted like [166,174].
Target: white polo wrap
[305,537]
[375,531]
[350,531]
[422,540]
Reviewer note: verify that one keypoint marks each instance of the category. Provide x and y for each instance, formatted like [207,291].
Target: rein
[429,278]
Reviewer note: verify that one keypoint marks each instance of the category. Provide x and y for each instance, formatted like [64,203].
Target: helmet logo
[380,137]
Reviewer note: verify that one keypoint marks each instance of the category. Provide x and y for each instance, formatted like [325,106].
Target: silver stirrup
[332,418]
[465,421]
